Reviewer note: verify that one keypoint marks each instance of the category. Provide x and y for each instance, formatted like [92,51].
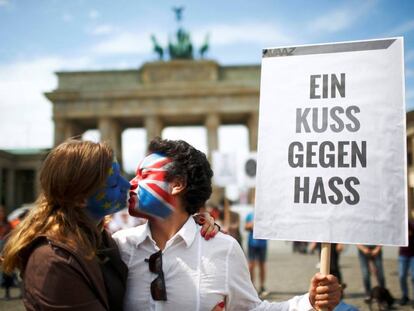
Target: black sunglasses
[158,290]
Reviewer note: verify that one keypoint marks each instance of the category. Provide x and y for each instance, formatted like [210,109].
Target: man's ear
[177,186]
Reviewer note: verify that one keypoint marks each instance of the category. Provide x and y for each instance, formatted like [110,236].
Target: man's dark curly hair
[189,164]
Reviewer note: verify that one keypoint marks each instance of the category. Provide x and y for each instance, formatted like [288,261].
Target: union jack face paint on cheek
[151,188]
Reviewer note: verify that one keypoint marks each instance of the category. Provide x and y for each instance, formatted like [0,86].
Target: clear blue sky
[40,37]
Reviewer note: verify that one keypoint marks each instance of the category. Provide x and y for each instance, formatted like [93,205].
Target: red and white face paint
[150,192]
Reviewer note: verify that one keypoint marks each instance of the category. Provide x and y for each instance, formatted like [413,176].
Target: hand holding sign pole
[325,260]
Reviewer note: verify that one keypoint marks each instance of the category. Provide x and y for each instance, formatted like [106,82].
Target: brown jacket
[57,277]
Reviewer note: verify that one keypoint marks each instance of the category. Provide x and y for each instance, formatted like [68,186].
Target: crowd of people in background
[5,228]
[370,256]
[406,265]
[7,224]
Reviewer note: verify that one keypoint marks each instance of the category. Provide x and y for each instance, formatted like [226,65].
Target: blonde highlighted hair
[71,173]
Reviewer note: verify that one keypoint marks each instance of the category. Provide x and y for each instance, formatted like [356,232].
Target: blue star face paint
[112,197]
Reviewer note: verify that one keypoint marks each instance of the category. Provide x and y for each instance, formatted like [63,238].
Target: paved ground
[296,270]
[289,275]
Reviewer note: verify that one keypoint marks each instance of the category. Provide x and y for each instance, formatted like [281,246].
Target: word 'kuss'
[327,154]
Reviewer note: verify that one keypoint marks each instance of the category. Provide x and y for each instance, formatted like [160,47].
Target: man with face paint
[170,266]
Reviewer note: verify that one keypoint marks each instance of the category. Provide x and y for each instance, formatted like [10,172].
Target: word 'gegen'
[327,154]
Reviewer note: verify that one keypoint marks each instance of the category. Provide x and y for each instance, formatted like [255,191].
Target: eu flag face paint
[112,197]
[153,192]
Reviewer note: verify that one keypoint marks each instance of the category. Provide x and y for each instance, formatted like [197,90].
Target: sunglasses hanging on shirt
[158,290]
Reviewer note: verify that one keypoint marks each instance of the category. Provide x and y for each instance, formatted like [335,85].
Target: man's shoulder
[130,236]
[226,238]
[220,243]
[223,251]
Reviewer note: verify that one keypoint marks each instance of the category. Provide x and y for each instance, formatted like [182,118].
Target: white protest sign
[224,168]
[331,150]
[248,170]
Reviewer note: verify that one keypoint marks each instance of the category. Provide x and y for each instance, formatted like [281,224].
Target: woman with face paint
[66,258]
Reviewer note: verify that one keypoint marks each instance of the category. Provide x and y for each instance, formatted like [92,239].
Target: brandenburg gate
[178,92]
[157,95]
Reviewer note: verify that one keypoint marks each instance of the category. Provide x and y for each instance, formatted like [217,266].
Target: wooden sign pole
[325,260]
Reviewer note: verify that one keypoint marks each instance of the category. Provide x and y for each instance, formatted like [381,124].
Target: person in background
[14,222]
[336,250]
[343,306]
[300,247]
[5,228]
[406,264]
[4,225]
[212,209]
[231,225]
[257,254]
[370,257]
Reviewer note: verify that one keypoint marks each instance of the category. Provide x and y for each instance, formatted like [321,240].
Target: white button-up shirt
[198,273]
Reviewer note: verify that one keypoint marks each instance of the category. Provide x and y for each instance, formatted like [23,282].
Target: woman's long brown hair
[71,173]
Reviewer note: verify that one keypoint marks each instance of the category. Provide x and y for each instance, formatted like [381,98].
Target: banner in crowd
[236,169]
[249,170]
[225,168]
[332,144]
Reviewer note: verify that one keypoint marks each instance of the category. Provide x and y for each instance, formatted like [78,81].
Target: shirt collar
[187,232]
[146,234]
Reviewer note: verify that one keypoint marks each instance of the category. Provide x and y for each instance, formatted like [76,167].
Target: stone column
[252,124]
[65,129]
[72,129]
[410,146]
[410,194]
[37,181]
[212,124]
[153,125]
[59,131]
[111,132]
[10,189]
[1,186]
